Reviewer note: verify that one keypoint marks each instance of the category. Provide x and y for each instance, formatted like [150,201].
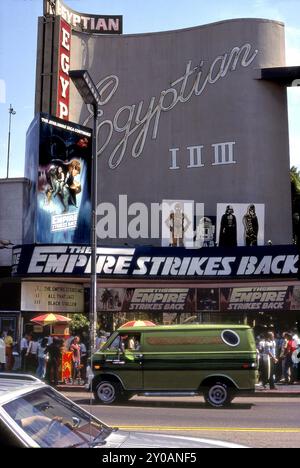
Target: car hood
[121,439]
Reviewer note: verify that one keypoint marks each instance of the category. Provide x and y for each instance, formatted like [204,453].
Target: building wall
[235,108]
[13,200]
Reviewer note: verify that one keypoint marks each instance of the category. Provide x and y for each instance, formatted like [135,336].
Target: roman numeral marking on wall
[223,153]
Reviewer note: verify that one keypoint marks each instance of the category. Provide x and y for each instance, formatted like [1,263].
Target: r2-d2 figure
[205,233]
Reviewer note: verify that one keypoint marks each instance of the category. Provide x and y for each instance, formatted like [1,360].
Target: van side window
[133,342]
[230,337]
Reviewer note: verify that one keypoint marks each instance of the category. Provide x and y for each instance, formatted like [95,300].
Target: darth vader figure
[250,223]
[228,229]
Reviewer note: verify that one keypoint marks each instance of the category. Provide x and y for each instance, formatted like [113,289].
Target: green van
[218,361]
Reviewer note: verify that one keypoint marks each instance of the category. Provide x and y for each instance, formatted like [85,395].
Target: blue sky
[18,33]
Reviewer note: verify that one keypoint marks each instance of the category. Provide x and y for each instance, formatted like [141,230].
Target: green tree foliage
[295,192]
[79,324]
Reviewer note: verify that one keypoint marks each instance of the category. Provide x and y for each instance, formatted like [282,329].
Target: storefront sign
[63,94]
[52,297]
[85,22]
[154,262]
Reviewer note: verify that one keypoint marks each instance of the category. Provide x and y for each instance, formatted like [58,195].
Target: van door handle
[138,356]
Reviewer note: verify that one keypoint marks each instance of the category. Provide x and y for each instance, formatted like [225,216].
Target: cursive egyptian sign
[136,121]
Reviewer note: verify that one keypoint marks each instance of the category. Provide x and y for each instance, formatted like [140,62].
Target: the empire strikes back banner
[61,176]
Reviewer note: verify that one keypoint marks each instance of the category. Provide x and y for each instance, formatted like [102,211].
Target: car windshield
[53,421]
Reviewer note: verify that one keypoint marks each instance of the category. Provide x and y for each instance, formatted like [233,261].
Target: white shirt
[296,340]
[33,347]
[24,344]
[2,352]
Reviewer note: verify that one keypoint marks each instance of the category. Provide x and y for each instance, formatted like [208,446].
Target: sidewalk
[283,390]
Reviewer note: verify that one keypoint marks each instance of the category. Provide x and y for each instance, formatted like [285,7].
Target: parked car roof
[11,383]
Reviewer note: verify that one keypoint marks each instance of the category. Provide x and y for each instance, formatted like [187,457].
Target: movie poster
[208,299]
[256,299]
[64,175]
[240,224]
[147,300]
[31,169]
[111,299]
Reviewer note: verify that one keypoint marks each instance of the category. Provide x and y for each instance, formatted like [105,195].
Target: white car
[33,414]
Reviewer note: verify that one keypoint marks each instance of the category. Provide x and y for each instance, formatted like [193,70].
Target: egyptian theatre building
[194,218]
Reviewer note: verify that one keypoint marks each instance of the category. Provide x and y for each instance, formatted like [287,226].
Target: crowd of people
[42,356]
[279,358]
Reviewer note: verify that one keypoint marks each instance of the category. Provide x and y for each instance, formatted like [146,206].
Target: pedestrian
[31,355]
[83,360]
[54,352]
[268,351]
[75,349]
[282,354]
[2,354]
[23,351]
[289,373]
[296,339]
[278,367]
[9,344]
[41,355]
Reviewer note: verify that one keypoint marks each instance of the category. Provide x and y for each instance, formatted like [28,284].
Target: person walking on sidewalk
[9,344]
[296,356]
[75,348]
[54,353]
[2,354]
[289,371]
[268,352]
[41,369]
[23,350]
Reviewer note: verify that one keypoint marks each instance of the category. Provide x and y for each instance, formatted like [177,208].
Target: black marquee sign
[269,262]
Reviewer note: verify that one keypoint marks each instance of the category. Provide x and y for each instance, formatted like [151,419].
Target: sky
[18,42]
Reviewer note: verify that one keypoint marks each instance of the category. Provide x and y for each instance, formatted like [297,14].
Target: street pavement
[262,421]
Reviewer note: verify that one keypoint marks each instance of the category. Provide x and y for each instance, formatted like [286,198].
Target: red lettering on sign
[63,86]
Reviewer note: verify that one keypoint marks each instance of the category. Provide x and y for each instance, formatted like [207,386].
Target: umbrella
[48,319]
[138,323]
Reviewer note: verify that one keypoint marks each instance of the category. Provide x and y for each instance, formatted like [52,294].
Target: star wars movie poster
[240,224]
[266,299]
[208,299]
[63,191]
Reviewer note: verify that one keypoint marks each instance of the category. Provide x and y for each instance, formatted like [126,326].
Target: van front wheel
[108,392]
[218,395]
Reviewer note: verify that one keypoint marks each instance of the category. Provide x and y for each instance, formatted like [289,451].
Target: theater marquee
[147,262]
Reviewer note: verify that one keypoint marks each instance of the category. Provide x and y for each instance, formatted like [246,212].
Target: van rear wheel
[108,392]
[218,395]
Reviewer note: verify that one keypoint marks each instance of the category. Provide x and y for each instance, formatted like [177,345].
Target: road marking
[214,429]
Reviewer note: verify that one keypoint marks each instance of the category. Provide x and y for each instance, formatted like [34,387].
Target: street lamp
[90,95]
[11,112]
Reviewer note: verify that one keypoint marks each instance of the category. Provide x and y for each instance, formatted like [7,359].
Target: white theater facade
[193,172]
